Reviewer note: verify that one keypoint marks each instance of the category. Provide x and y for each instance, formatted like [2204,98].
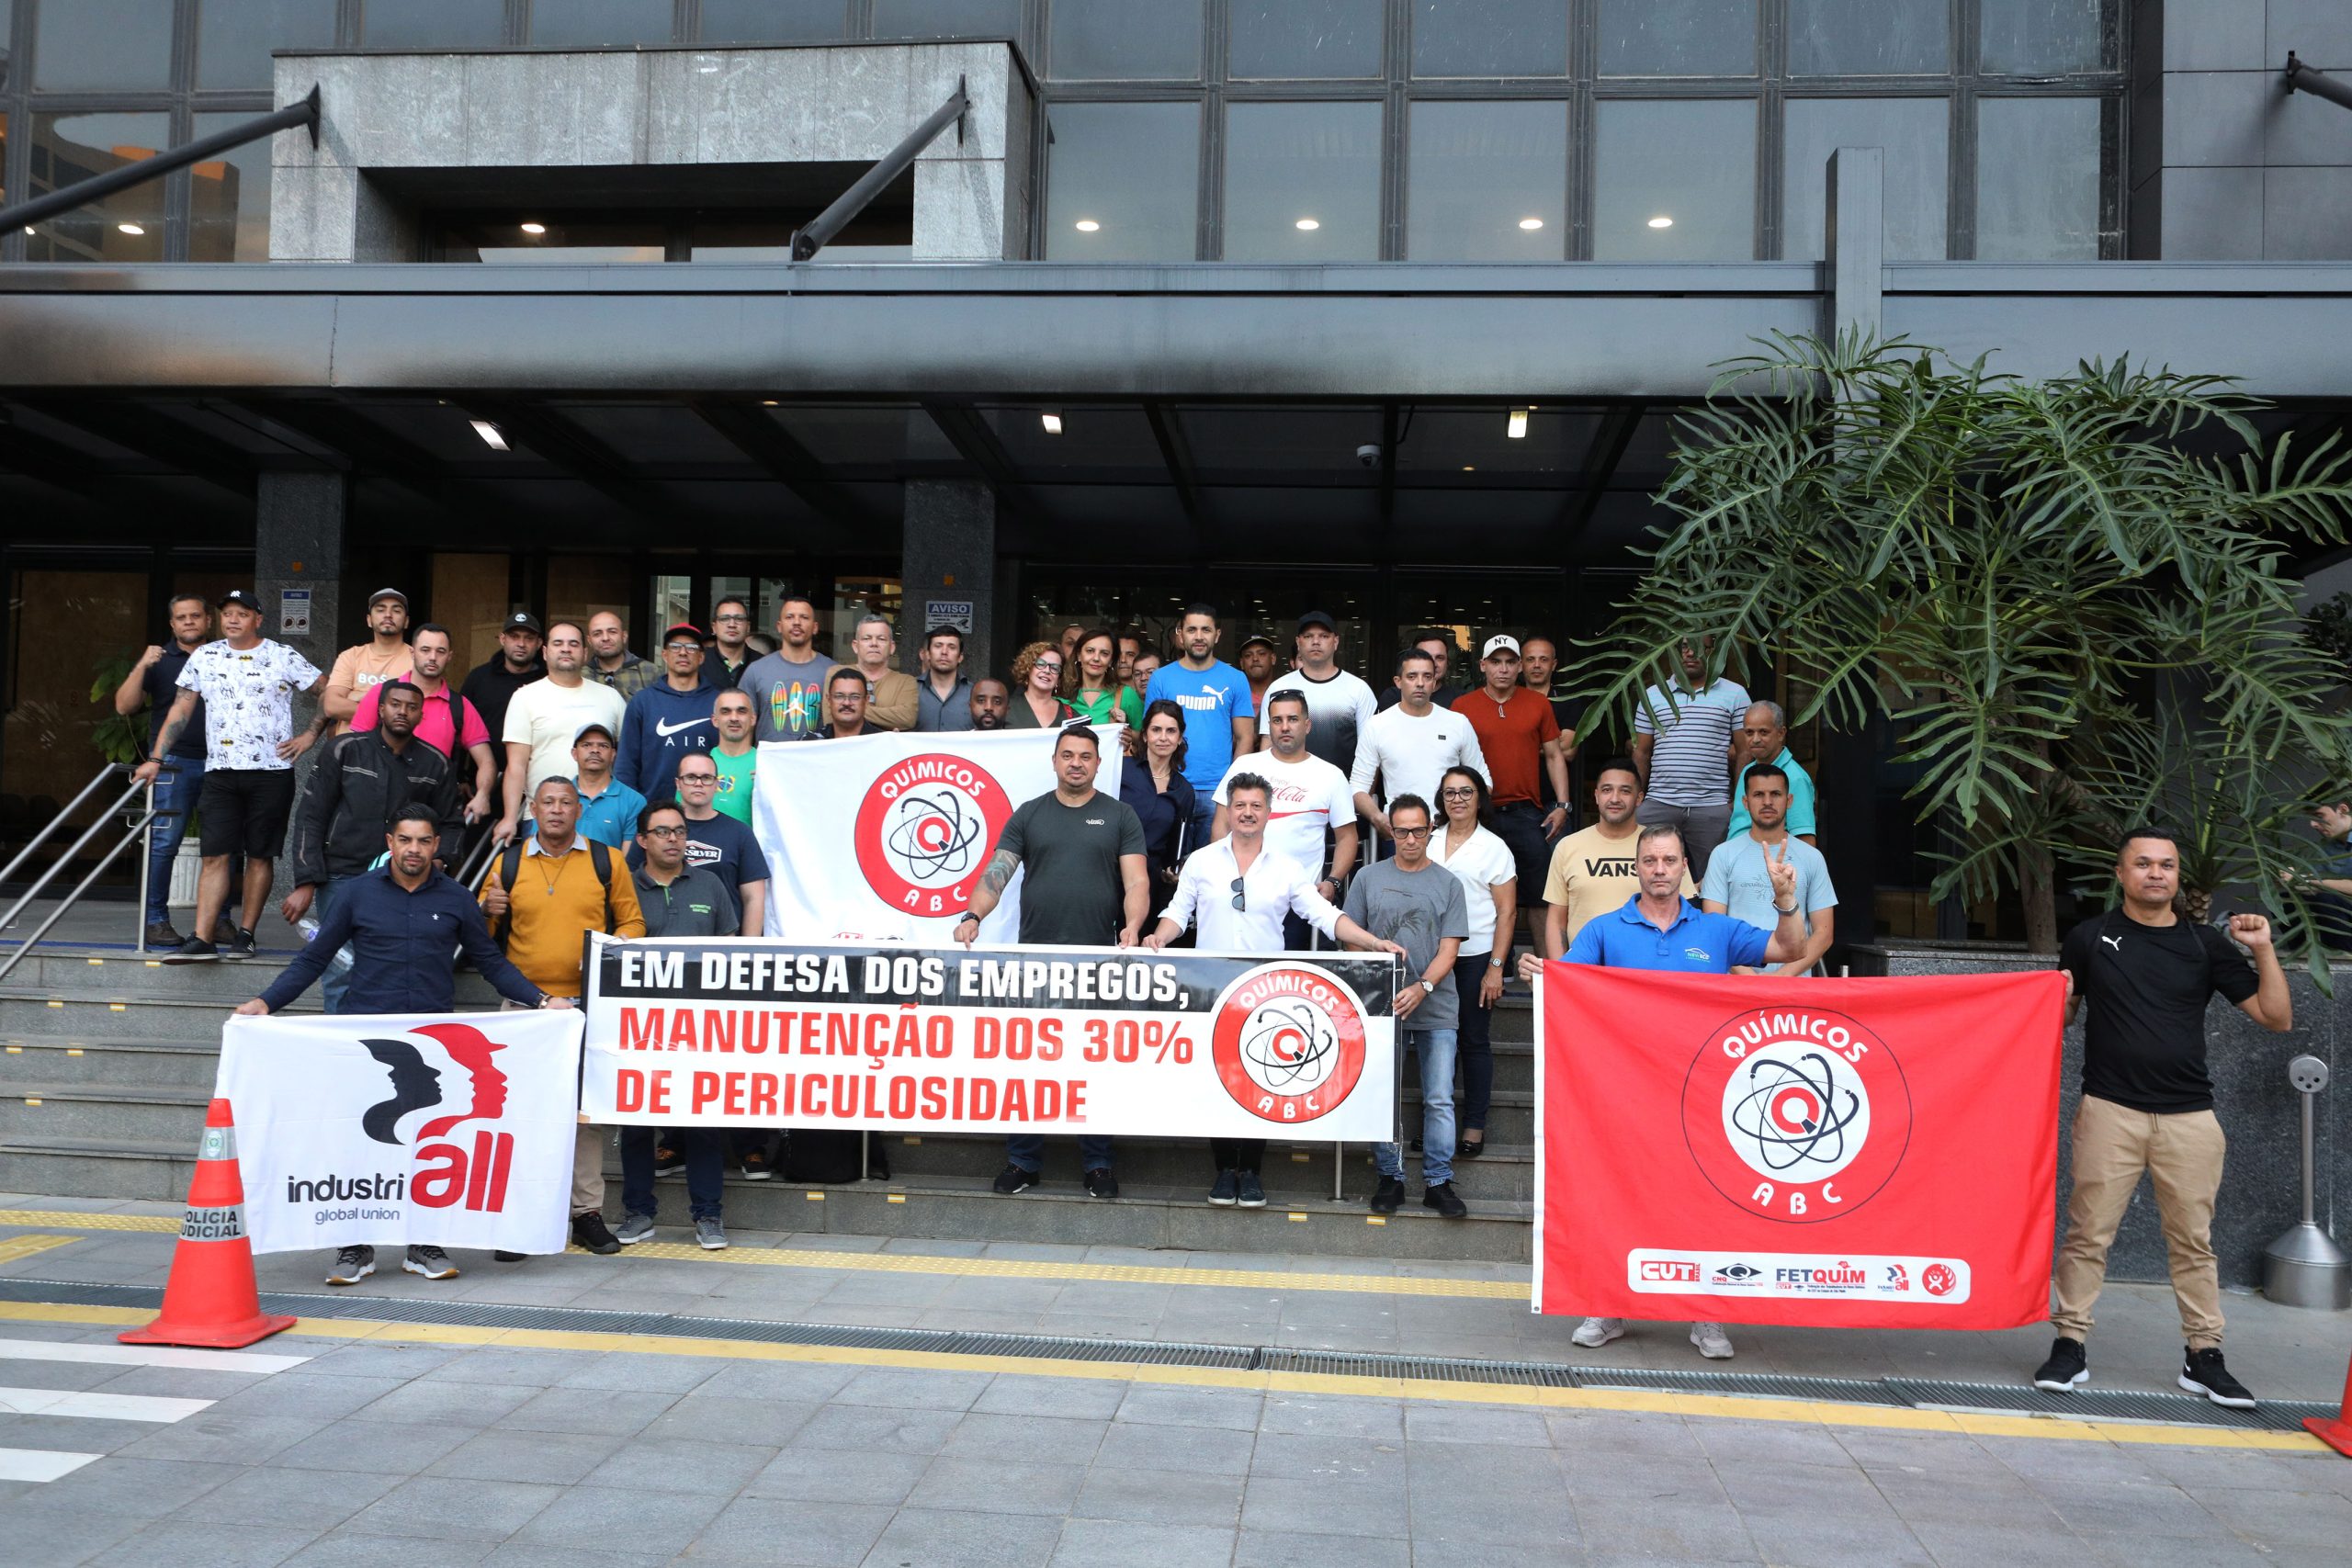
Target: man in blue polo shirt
[1659,929]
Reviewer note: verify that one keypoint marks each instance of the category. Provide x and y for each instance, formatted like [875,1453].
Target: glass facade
[1190,130]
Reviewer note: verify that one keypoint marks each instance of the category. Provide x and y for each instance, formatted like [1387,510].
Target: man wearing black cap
[492,683]
[384,655]
[668,719]
[246,685]
[1338,704]
[1257,659]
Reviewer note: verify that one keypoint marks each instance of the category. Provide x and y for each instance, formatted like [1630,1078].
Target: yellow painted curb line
[1733,1407]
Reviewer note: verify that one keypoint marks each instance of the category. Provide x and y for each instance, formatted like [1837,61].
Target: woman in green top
[1093,688]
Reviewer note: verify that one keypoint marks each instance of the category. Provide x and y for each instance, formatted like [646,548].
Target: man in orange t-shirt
[1523,742]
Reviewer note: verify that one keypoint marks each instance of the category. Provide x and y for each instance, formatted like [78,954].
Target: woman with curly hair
[1037,674]
[1092,687]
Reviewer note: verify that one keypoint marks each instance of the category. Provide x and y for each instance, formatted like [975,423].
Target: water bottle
[309,926]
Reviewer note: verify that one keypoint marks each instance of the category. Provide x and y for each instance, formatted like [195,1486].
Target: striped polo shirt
[1691,763]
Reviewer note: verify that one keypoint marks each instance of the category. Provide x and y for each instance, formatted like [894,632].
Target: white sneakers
[1595,1332]
[1709,1337]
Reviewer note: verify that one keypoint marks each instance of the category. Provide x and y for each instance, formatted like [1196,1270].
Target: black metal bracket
[82,193]
[806,243]
[2301,78]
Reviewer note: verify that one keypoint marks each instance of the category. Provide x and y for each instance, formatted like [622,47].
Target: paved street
[360,1442]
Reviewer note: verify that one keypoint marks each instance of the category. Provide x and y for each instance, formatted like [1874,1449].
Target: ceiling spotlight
[535,228]
[131,229]
[1517,428]
[1052,422]
[1661,222]
[1469,468]
[767,402]
[493,437]
[1087,225]
[1308,225]
[1530,224]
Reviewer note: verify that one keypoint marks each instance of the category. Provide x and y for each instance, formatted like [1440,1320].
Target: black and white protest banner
[443,1129]
[1120,1041]
[884,837]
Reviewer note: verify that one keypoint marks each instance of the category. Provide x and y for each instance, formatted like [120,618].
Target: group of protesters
[1263,807]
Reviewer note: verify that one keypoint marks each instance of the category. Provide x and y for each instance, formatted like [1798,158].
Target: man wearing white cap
[384,655]
[1522,744]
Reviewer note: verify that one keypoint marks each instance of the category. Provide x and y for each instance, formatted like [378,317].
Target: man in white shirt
[546,717]
[1240,893]
[1339,703]
[1311,800]
[1412,744]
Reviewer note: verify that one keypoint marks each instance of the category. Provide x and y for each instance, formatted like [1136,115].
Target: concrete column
[297,546]
[950,558]
[1854,239]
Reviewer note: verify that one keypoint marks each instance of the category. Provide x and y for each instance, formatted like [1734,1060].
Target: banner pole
[1339,1172]
[864,1165]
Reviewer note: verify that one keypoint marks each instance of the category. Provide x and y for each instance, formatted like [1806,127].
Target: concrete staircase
[107,1060]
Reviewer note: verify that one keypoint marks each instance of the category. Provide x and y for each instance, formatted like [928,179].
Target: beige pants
[587,1156]
[2182,1155]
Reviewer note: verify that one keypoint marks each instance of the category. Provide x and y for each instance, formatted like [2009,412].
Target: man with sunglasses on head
[1240,895]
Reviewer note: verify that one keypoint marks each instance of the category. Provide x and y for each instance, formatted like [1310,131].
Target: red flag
[1871,1154]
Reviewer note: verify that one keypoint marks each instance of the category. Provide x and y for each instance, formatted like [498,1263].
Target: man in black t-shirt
[2147,1105]
[1083,852]
[154,681]
[491,684]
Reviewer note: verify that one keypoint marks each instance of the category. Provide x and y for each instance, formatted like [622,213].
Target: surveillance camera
[1369,455]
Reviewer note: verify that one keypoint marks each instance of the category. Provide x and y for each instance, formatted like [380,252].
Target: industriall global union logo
[924,831]
[450,1168]
[1288,1042]
[1795,1114]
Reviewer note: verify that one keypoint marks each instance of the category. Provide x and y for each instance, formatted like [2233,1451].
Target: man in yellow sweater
[542,898]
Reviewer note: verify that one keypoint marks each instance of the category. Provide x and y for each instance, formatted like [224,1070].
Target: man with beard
[451,725]
[991,700]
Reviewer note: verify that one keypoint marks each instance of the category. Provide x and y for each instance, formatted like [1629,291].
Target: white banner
[441,1129]
[726,1032]
[884,836]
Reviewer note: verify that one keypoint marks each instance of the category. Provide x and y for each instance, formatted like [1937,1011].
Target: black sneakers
[1101,1183]
[2201,1372]
[1227,1188]
[1246,1192]
[195,950]
[590,1232]
[1012,1179]
[1441,1197]
[161,938]
[2069,1367]
[1389,1196]
[239,945]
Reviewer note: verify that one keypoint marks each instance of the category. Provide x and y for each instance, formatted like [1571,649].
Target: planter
[2261,1193]
[188,870]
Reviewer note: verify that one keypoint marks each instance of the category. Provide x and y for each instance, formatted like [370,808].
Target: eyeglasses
[1458,793]
[1410,833]
[1053,664]
[697,778]
[1240,897]
[665,833]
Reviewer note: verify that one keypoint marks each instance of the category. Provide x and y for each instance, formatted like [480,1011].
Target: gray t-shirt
[1071,894]
[696,902]
[1416,910]
[788,696]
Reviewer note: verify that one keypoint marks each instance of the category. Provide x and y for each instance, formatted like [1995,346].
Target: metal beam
[51,462]
[977,445]
[368,448]
[806,243]
[577,452]
[751,431]
[154,438]
[1176,452]
[2301,78]
[1611,437]
[99,187]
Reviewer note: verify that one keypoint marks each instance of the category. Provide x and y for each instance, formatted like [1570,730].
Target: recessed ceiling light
[1530,224]
[1517,428]
[1087,225]
[1469,468]
[535,228]
[1309,224]
[493,437]
[767,402]
[1661,222]
[1052,422]
[131,229]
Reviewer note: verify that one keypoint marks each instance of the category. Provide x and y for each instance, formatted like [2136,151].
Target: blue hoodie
[662,724]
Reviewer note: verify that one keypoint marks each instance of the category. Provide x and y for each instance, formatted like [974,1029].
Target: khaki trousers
[2182,1155]
[587,1156]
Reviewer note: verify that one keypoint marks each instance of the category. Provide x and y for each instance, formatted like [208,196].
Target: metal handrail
[136,833]
[58,821]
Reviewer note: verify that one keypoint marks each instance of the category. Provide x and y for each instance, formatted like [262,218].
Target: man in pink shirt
[445,713]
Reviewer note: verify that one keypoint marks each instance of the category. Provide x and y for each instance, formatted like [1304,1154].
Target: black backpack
[510,866]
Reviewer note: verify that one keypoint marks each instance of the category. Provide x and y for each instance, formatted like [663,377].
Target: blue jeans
[1435,1048]
[177,787]
[706,1152]
[334,981]
[1027,1150]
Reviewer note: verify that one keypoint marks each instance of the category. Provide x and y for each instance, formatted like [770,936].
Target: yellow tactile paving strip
[17,1246]
[1622,1401]
[920,1263]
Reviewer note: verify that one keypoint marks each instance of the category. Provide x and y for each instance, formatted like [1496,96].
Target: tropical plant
[117,738]
[2070,597]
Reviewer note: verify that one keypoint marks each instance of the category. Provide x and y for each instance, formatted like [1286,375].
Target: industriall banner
[1876,1153]
[442,1129]
[924,813]
[1125,1041]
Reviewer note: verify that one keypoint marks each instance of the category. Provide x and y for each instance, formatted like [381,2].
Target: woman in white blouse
[1478,856]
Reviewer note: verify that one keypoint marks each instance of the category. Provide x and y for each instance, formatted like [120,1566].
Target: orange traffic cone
[2335,1433]
[210,1300]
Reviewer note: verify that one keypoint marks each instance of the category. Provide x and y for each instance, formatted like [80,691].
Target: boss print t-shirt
[248,701]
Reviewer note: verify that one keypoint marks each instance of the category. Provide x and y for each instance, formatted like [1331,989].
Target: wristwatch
[1428,987]
[1494,963]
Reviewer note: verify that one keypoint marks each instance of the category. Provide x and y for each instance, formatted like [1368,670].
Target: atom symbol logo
[1786,1114]
[1289,1047]
[934,835]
